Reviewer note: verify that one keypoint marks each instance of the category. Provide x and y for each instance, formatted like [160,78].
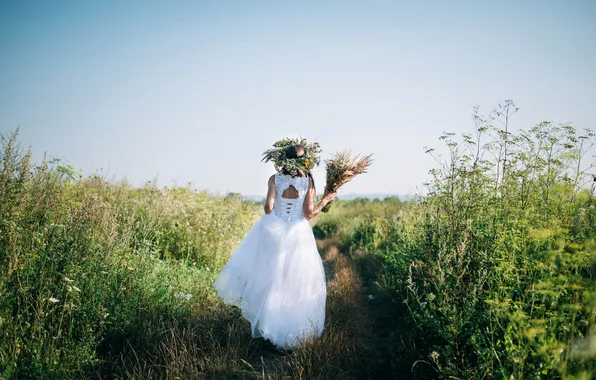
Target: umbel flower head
[293,166]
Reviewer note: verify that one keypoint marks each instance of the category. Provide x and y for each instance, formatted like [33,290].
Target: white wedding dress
[276,275]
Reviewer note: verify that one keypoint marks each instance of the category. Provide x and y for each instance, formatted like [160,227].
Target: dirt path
[348,348]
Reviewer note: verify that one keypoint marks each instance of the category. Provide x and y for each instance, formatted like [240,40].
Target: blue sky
[190,91]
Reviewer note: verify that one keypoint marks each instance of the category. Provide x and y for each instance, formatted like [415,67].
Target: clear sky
[195,91]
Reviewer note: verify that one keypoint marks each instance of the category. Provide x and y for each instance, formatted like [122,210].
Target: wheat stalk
[342,167]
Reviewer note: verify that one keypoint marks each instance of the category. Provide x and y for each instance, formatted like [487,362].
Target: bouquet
[342,167]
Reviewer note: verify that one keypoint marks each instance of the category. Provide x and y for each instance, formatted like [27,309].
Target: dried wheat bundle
[342,167]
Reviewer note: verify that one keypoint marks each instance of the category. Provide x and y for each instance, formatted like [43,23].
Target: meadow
[489,276]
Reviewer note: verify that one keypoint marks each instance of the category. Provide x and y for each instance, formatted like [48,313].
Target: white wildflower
[185,296]
[53,300]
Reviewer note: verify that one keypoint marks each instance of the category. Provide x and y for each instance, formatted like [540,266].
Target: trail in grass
[213,341]
[352,344]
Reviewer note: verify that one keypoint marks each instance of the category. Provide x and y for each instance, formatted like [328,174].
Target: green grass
[488,277]
[492,274]
[96,275]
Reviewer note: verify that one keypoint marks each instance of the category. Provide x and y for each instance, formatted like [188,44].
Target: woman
[276,275]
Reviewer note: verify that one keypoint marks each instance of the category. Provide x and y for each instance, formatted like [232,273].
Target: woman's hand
[328,197]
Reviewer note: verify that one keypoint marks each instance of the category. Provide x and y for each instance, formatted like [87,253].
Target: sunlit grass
[487,277]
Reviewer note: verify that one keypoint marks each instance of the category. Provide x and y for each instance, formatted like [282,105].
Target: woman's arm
[310,210]
[269,202]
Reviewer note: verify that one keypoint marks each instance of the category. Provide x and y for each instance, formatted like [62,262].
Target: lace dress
[275,276]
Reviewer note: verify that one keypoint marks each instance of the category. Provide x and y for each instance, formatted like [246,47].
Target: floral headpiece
[293,166]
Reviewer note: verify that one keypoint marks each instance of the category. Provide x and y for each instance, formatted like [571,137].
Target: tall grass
[97,277]
[104,280]
[490,276]
[360,223]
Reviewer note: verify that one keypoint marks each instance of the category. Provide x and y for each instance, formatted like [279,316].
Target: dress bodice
[287,208]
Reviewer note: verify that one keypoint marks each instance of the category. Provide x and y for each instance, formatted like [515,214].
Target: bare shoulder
[271,179]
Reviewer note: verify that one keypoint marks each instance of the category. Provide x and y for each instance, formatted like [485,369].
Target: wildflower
[185,296]
[370,297]
[53,300]
[434,356]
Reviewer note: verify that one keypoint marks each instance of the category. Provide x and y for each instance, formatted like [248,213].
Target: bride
[275,276]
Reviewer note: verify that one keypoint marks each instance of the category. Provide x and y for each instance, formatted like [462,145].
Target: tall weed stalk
[497,276]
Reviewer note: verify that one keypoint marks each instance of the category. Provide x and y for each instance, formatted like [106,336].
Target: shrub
[490,274]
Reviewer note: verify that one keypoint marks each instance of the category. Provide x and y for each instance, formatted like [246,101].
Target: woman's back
[290,193]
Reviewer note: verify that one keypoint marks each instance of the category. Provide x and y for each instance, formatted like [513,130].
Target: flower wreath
[294,166]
